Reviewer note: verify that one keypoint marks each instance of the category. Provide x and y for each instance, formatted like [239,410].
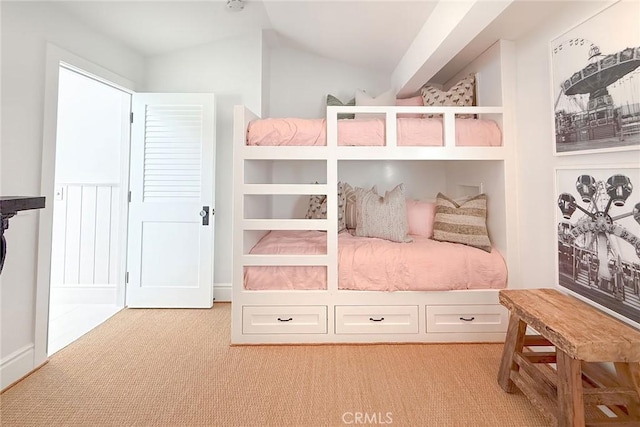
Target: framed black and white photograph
[595,79]
[598,228]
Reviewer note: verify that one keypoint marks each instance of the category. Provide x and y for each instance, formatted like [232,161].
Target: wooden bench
[580,390]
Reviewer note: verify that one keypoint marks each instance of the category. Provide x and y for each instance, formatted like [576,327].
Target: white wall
[26,28]
[536,167]
[266,73]
[232,69]
[300,83]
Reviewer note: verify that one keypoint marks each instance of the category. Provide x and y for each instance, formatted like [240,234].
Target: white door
[170,248]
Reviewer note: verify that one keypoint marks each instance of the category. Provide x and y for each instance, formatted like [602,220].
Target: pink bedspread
[376,264]
[411,132]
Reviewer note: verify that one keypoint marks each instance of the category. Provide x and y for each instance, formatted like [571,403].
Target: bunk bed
[311,280]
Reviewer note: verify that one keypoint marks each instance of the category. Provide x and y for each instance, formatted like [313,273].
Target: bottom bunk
[404,282]
[388,292]
[372,264]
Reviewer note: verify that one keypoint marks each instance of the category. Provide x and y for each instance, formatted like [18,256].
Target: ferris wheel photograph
[596,83]
[599,236]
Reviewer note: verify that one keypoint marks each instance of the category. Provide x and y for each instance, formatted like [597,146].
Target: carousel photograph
[596,83]
[599,236]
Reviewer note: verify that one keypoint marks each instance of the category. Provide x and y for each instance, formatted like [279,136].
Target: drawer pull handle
[376,320]
[470,319]
[285,320]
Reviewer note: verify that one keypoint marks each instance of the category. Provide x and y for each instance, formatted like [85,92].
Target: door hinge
[131,117]
[126,277]
[129,197]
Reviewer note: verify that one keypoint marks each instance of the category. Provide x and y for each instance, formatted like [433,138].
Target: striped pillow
[465,224]
[350,216]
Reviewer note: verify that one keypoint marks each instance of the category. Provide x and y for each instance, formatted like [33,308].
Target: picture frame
[595,79]
[598,235]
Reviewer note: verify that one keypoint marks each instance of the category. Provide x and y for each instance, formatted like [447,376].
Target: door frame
[55,57]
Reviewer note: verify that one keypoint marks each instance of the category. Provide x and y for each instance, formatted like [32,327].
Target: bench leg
[513,343]
[629,375]
[570,398]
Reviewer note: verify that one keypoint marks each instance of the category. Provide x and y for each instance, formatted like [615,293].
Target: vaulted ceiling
[374,34]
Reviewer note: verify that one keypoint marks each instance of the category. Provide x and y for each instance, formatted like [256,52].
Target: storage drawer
[377,319]
[282,319]
[467,318]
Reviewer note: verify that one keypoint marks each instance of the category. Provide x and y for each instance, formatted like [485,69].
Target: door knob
[204,213]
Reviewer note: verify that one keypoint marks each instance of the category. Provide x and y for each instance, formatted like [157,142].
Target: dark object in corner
[10,206]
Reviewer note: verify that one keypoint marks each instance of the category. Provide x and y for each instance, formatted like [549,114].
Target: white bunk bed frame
[346,316]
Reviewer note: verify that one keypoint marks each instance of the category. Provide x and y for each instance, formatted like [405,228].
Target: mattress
[377,265]
[371,132]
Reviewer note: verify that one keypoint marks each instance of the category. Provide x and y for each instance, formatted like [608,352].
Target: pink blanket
[376,264]
[411,132]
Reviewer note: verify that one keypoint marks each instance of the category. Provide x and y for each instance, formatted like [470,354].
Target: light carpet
[176,368]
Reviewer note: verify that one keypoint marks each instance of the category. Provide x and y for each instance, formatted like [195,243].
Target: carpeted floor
[176,368]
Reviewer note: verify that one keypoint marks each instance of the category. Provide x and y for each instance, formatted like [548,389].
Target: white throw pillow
[363,99]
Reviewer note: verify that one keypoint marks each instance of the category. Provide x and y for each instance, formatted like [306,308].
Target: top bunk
[401,133]
[469,119]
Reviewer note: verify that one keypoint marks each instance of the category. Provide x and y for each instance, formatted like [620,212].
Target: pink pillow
[420,217]
[415,101]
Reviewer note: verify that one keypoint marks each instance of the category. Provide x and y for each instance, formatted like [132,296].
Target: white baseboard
[16,365]
[222,292]
[83,294]
[107,294]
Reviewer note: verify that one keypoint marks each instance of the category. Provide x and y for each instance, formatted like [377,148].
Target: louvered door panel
[172,152]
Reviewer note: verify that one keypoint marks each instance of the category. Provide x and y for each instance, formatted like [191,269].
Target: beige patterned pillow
[462,94]
[341,207]
[382,217]
[465,223]
[318,207]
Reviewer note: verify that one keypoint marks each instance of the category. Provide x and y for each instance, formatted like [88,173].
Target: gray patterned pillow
[332,101]
[465,223]
[382,217]
[461,94]
[318,207]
